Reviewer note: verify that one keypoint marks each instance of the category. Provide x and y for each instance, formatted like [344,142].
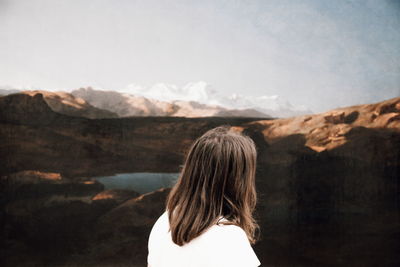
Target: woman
[208,218]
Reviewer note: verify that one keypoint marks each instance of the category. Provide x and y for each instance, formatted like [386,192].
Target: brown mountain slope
[68,104]
[33,136]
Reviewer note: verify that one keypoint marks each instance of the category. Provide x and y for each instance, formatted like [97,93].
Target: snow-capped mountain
[200,92]
[195,99]
[126,105]
[204,93]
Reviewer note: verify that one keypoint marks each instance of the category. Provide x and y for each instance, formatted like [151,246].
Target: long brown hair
[217,179]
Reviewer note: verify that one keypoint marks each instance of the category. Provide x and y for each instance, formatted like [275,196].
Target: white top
[220,245]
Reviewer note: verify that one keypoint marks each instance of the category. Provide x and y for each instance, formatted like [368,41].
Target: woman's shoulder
[160,226]
[230,232]
[230,243]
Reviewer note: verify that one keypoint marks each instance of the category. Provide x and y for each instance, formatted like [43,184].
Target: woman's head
[217,179]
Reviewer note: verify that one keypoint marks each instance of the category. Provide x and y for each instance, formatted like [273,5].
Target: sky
[318,54]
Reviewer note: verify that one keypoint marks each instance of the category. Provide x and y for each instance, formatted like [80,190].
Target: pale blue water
[141,182]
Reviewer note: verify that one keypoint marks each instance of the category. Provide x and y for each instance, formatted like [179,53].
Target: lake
[141,182]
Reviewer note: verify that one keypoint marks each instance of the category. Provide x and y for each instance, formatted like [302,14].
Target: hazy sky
[321,54]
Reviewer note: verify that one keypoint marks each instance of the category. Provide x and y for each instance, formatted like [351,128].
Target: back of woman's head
[217,179]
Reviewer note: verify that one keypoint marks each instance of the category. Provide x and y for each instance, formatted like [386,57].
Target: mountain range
[204,93]
[126,105]
[192,100]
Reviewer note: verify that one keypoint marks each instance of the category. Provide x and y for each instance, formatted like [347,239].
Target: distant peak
[205,93]
[85,89]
